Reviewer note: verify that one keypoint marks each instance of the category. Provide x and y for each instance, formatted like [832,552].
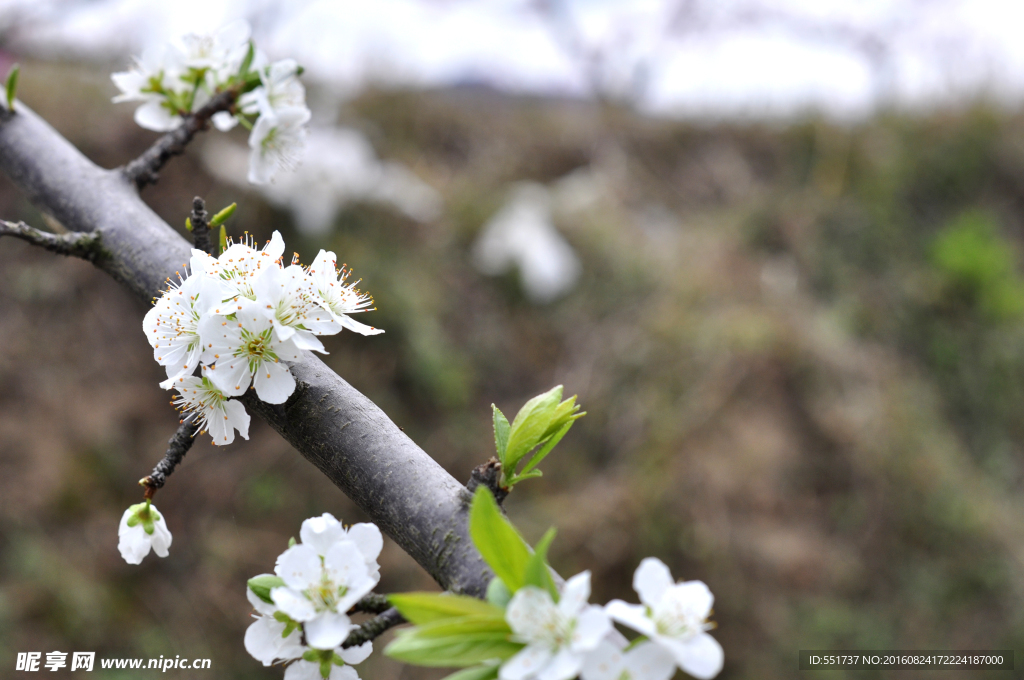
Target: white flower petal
[224,121]
[526,663]
[692,595]
[358,654]
[274,382]
[293,603]
[368,539]
[565,665]
[650,661]
[592,626]
[328,630]
[631,615]
[353,325]
[161,538]
[133,544]
[303,670]
[231,375]
[701,656]
[265,643]
[299,566]
[651,580]
[605,663]
[154,116]
[528,612]
[575,594]
[237,417]
[321,532]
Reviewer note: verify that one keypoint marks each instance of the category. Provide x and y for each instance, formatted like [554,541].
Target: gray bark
[410,497]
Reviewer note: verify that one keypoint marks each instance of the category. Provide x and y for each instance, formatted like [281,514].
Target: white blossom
[211,410]
[142,528]
[341,299]
[151,76]
[321,533]
[280,89]
[318,591]
[276,142]
[245,350]
[673,616]
[287,299]
[646,661]
[219,54]
[171,327]
[265,639]
[329,660]
[558,636]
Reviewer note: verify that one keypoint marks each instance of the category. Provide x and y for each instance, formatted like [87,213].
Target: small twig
[177,447]
[372,604]
[489,475]
[85,245]
[145,169]
[373,628]
[200,220]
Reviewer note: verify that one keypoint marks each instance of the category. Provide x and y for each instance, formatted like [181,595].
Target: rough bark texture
[412,498]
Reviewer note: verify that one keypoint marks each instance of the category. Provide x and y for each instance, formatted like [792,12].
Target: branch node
[489,475]
[200,220]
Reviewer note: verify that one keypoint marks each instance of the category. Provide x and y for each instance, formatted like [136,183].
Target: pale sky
[748,58]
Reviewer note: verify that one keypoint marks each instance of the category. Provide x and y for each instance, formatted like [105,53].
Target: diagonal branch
[177,446]
[374,627]
[145,169]
[401,488]
[83,245]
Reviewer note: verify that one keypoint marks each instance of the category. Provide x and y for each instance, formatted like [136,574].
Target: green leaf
[247,62]
[501,430]
[537,572]
[188,224]
[12,86]
[291,542]
[263,584]
[499,543]
[461,642]
[498,593]
[422,608]
[546,449]
[529,427]
[484,672]
[223,216]
[223,238]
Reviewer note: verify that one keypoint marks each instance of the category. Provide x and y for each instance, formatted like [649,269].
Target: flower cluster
[302,609]
[240,319]
[529,629]
[178,79]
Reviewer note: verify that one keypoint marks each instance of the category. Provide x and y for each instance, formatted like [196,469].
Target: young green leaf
[482,672]
[546,449]
[501,430]
[223,239]
[12,86]
[529,427]
[498,593]
[459,642]
[223,216]
[499,543]
[537,572]
[456,651]
[421,608]
[262,585]
[247,62]
[188,224]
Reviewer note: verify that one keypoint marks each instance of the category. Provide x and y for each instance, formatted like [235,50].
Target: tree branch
[177,446]
[145,169]
[374,627]
[402,489]
[83,245]
[200,221]
[372,604]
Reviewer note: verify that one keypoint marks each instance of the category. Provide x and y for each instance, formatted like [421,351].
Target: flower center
[326,594]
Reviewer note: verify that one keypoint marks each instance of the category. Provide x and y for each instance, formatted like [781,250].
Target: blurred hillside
[801,349]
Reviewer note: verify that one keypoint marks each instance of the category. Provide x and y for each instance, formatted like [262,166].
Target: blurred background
[774,247]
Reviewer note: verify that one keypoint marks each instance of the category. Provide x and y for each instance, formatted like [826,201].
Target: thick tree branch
[374,627]
[83,245]
[145,169]
[401,488]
